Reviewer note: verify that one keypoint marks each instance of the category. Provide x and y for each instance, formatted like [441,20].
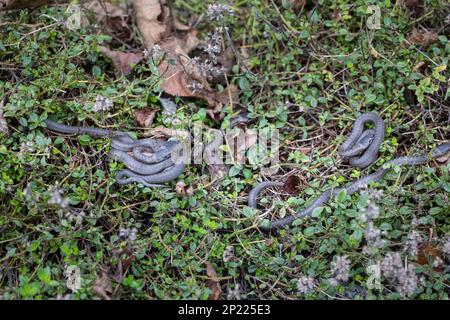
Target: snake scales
[360,150]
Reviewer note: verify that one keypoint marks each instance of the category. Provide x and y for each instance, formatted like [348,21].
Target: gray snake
[150,170]
[360,150]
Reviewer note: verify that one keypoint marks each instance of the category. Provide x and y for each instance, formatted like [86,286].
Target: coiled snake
[150,170]
[360,150]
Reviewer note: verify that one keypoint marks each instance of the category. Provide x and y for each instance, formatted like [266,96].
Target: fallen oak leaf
[213,282]
[423,38]
[292,184]
[123,61]
[144,117]
[102,285]
[427,252]
[152,17]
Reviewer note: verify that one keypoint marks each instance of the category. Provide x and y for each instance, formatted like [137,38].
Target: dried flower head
[340,268]
[412,243]
[446,245]
[228,254]
[102,104]
[373,238]
[155,53]
[218,12]
[129,234]
[56,198]
[305,284]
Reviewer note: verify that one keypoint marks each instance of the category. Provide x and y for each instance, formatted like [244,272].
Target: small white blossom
[217,12]
[305,285]
[128,234]
[102,104]
[446,245]
[154,53]
[228,254]
[412,243]
[195,86]
[340,268]
[76,216]
[56,198]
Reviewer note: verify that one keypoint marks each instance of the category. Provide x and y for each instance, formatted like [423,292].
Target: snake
[151,170]
[359,150]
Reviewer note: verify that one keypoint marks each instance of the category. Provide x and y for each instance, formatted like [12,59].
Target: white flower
[305,284]
[56,198]
[217,12]
[341,268]
[128,234]
[102,104]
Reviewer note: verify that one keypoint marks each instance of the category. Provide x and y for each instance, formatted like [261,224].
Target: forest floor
[68,231]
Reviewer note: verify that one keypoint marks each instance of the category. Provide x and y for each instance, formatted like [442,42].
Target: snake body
[152,170]
[360,150]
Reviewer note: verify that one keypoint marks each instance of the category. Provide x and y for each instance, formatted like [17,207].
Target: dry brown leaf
[421,37]
[217,171]
[3,124]
[177,70]
[152,20]
[183,190]
[428,252]
[292,184]
[102,285]
[123,61]
[213,282]
[144,117]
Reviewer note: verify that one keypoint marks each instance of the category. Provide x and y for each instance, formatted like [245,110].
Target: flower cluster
[340,268]
[56,198]
[373,237]
[218,12]
[446,245]
[404,278]
[75,216]
[128,234]
[228,254]
[155,53]
[102,104]
[26,148]
[412,243]
[305,284]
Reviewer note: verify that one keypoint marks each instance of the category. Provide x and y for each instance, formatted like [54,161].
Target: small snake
[151,170]
[360,150]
